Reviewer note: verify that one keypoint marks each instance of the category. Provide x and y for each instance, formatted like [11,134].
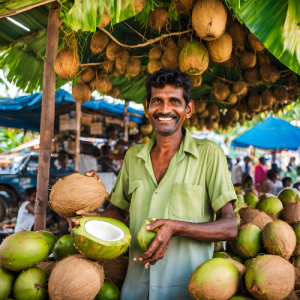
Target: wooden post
[78,133]
[47,119]
[126,120]
[273,156]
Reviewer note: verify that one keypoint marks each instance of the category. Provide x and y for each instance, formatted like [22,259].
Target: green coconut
[216,278]
[64,246]
[108,292]
[31,284]
[288,195]
[101,238]
[270,277]
[144,236]
[272,206]
[51,239]
[265,196]
[230,254]
[23,250]
[248,262]
[6,283]
[241,297]
[251,199]
[297,231]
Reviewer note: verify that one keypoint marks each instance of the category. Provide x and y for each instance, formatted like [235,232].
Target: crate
[96,128]
[86,119]
[66,123]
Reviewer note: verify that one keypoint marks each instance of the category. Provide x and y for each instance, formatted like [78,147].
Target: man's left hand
[161,242]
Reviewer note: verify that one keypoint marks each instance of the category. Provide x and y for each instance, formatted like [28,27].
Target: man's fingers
[92,173]
[155,224]
[86,214]
[166,247]
[152,248]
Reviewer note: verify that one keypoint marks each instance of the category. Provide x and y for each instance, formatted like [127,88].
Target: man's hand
[161,242]
[92,173]
[72,221]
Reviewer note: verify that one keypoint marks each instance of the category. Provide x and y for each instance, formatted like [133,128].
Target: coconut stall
[243,61]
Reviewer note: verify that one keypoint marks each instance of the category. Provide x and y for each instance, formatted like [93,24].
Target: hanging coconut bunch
[181,42]
[213,111]
[269,73]
[193,58]
[155,53]
[115,72]
[105,21]
[254,103]
[200,106]
[267,98]
[252,76]
[99,42]
[220,49]
[115,93]
[232,115]
[133,67]
[275,107]
[240,89]
[154,65]
[112,50]
[243,108]
[231,63]
[210,124]
[232,99]
[103,84]
[66,64]
[158,18]
[221,91]
[81,92]
[170,58]
[204,114]
[281,94]
[209,19]
[263,59]
[248,60]
[255,44]
[87,74]
[196,80]
[237,33]
[108,66]
[193,120]
[92,84]
[122,60]
[183,6]
[289,83]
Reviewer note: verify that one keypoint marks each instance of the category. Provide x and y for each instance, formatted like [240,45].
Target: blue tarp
[25,112]
[271,134]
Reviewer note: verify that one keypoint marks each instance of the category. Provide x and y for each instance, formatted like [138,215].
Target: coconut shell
[87,74]
[291,212]
[231,63]
[213,110]
[112,50]
[115,93]
[139,5]
[66,64]
[254,103]
[103,84]
[181,42]
[170,58]
[47,266]
[183,6]
[158,18]
[81,92]
[281,94]
[255,44]
[248,60]
[220,49]
[75,278]
[155,53]
[263,59]
[209,19]
[252,76]
[221,92]
[232,99]
[99,42]
[269,73]
[108,66]
[154,65]
[134,67]
[105,21]
[238,34]
[196,80]
[123,58]
[241,268]
[255,217]
[267,99]
[240,89]
[200,106]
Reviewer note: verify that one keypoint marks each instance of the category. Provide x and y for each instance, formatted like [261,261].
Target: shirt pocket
[186,202]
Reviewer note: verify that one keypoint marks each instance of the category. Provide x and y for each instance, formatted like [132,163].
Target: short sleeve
[218,181]
[119,194]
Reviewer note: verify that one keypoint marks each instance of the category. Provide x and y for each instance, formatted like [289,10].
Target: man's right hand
[92,173]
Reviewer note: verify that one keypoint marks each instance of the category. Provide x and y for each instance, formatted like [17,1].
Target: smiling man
[182,182]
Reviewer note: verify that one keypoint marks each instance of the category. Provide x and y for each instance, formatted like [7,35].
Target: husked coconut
[254,102]
[81,92]
[87,74]
[209,19]
[66,64]
[103,84]
[269,73]
[255,44]
[220,49]
[155,53]
[221,92]
[183,6]
[240,89]
[99,42]
[139,5]
[255,217]
[108,66]
[238,34]
[267,99]
[196,80]
[158,18]
[263,59]
[170,58]
[252,76]
[248,60]
[213,110]
[231,63]
[281,94]
[154,65]
[122,61]
[232,99]
[181,42]
[200,106]
[291,212]
[134,67]
[112,50]
[105,19]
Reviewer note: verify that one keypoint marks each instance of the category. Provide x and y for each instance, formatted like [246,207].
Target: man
[179,180]
[287,182]
[63,160]
[260,171]
[271,179]
[237,172]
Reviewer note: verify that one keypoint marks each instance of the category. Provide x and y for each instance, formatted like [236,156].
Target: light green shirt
[195,186]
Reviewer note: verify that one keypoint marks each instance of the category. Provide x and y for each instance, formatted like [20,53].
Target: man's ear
[145,104]
[189,109]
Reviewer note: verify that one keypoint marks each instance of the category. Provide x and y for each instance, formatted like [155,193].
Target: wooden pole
[126,120]
[273,156]
[77,137]
[47,119]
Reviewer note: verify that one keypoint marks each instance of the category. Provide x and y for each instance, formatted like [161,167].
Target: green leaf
[173,13]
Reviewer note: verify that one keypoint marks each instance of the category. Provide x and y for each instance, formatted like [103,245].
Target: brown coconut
[81,92]
[232,99]
[92,84]
[154,65]
[231,63]
[220,49]
[255,217]
[216,83]
[210,124]
[238,34]
[204,114]
[263,59]
[108,66]
[291,212]
[158,18]
[275,107]
[183,6]
[139,5]
[116,73]
[281,94]
[196,80]
[200,106]
[241,268]
[105,21]
[47,266]
[66,196]
[112,50]
[155,53]
[103,84]
[232,115]
[221,92]
[115,93]
[193,120]
[87,74]
[170,58]
[255,44]
[99,42]
[248,60]
[240,89]
[243,108]
[181,42]
[213,110]
[252,76]
[134,67]
[243,211]
[254,103]
[209,19]
[269,73]
[66,64]
[75,278]
[267,98]
[123,58]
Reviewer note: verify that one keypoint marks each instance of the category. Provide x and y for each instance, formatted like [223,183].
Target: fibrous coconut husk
[221,92]
[122,61]
[108,66]
[243,211]
[116,73]
[139,5]
[81,92]
[105,19]
[231,63]
[275,107]
[256,217]
[281,94]
[213,110]
[269,73]
[210,124]
[170,58]
[155,53]
[154,65]
[252,76]
[209,19]
[133,67]
[243,108]
[112,50]
[263,59]
[216,83]
[169,43]
[254,103]
[267,99]
[200,106]
[220,49]
[255,44]
[240,89]
[75,278]
[204,114]
[47,266]
[183,6]
[115,93]
[66,64]
[92,84]
[248,60]
[232,99]
[238,34]
[181,42]
[196,80]
[241,268]
[87,74]
[103,84]
[99,42]
[291,212]
[158,19]
[193,120]
[232,115]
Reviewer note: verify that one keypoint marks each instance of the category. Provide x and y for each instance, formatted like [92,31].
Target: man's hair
[167,76]
[28,192]
[285,180]
[270,174]
[62,156]
[261,159]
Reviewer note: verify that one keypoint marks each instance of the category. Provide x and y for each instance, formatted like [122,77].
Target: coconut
[51,239]
[255,44]
[99,42]
[240,297]
[109,66]
[263,59]
[115,93]
[275,107]
[240,89]
[291,212]
[209,19]
[183,6]
[231,63]
[267,99]
[23,250]
[186,123]
[144,236]
[66,194]
[47,266]
[239,204]
[181,42]
[243,108]
[297,265]
[270,277]
[228,255]
[248,262]
[255,217]
[238,34]
[75,278]
[269,73]
[252,76]
[204,114]
[193,58]
[169,43]
[232,115]
[232,99]
[92,84]
[219,271]
[116,73]
[146,129]
[7,280]
[139,5]
[281,94]
[31,284]
[248,60]
[200,106]
[103,84]
[288,195]
[112,50]
[66,64]
[155,53]
[297,231]
[134,67]
[158,19]
[220,49]
[108,291]
[213,110]
[193,120]
[242,211]
[279,239]
[81,92]
[254,103]
[122,61]
[196,80]
[64,247]
[170,58]
[272,206]
[221,92]
[87,74]
[219,247]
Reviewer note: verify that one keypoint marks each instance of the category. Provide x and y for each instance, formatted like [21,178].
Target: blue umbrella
[271,134]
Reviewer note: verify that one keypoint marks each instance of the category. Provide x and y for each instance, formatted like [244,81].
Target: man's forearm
[115,213]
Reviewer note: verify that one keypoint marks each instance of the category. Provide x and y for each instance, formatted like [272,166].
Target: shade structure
[271,134]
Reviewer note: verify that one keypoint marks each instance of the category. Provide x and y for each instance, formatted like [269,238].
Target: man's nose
[165,108]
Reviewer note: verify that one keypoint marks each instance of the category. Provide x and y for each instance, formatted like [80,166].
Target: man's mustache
[160,115]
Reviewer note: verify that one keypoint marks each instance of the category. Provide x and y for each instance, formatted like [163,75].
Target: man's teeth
[165,119]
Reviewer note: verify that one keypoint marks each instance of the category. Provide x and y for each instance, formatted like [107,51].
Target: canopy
[273,133]
[25,112]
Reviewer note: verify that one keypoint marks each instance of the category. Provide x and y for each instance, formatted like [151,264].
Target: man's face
[113,135]
[31,198]
[167,109]
[263,161]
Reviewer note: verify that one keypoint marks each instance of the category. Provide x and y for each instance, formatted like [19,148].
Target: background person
[260,171]
[237,172]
